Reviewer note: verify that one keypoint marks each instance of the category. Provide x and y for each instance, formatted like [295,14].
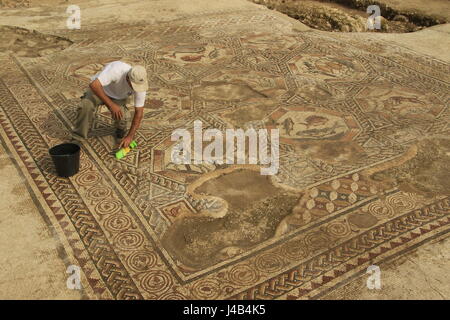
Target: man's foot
[76,137]
[120,133]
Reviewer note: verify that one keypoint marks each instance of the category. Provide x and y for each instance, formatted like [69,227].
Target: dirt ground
[438,8]
[34,254]
[351,15]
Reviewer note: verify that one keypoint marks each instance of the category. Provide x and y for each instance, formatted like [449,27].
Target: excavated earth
[351,16]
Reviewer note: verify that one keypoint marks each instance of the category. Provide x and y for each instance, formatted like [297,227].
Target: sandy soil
[421,274]
[33,263]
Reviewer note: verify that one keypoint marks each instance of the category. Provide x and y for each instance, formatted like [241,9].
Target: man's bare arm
[138,115]
[97,89]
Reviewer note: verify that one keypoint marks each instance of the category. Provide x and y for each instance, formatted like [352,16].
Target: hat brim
[139,87]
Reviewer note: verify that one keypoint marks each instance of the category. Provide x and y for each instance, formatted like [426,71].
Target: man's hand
[138,114]
[125,143]
[116,112]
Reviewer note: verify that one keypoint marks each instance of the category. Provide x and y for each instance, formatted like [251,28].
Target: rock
[384,24]
[230,252]
[401,18]
[345,28]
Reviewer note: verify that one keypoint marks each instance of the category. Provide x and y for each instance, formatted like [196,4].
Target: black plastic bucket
[66,158]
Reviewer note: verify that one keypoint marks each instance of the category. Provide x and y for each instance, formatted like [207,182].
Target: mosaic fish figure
[213,54]
[396,100]
[309,66]
[188,49]
[320,133]
[314,121]
[346,63]
[192,58]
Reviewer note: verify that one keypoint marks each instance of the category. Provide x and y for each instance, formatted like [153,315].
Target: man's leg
[89,102]
[123,125]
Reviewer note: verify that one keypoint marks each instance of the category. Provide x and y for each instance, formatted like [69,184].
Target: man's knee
[86,105]
[126,113]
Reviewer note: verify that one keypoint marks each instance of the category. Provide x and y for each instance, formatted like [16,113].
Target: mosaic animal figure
[314,121]
[397,100]
[192,58]
[288,125]
[321,132]
[188,49]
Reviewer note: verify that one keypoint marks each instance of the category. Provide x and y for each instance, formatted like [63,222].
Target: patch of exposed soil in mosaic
[241,116]
[222,91]
[427,173]
[256,208]
[350,15]
[29,43]
[336,151]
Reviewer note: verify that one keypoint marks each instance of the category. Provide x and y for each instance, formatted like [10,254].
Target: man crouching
[111,87]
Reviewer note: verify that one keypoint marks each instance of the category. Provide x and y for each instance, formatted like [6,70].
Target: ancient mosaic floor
[364,157]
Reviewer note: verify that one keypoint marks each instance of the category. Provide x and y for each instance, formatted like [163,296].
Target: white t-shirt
[113,78]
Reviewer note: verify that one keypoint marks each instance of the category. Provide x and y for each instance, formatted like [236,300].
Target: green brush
[124,151]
